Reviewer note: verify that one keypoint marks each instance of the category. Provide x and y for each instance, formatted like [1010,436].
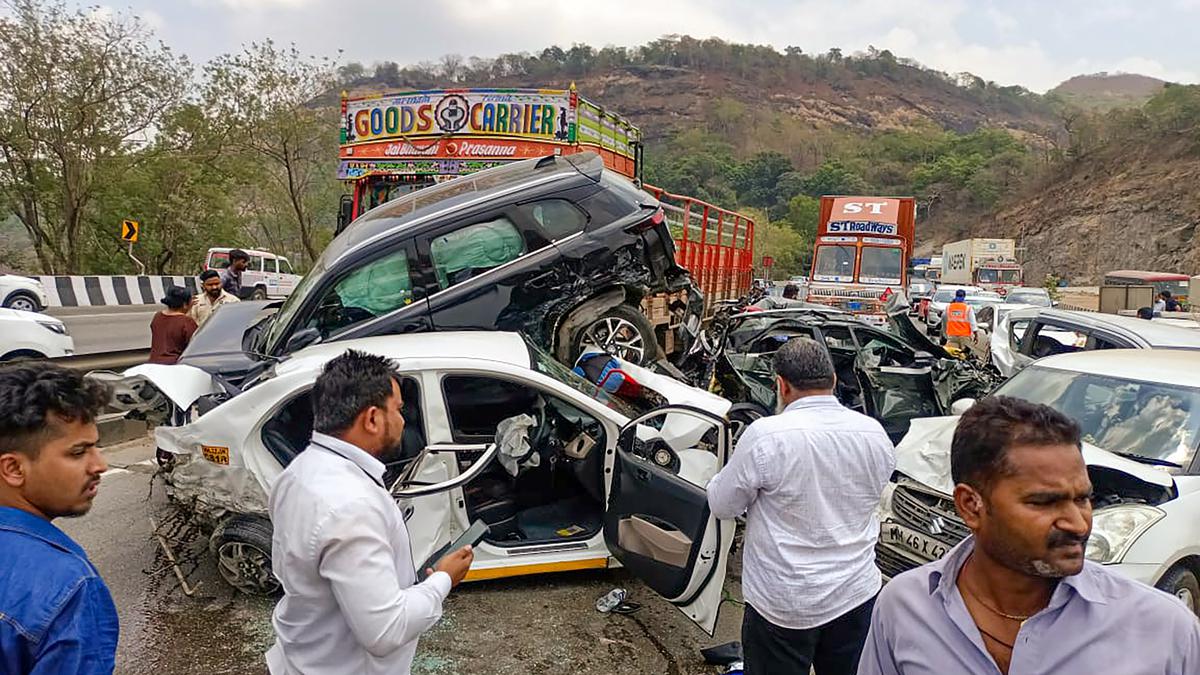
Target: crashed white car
[1024,335]
[566,476]
[1141,406]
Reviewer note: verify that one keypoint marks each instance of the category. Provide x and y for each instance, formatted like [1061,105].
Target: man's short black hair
[209,274]
[348,385]
[238,254]
[1166,294]
[176,297]
[996,424]
[805,364]
[791,291]
[32,395]
[1145,313]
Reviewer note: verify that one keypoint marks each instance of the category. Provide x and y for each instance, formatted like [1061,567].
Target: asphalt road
[537,624]
[106,329]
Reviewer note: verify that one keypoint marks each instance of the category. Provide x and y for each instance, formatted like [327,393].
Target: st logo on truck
[862,227]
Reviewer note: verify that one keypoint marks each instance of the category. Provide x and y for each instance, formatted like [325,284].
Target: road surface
[107,329]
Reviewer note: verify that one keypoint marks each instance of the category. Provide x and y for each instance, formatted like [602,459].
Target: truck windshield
[835,263]
[881,265]
[997,276]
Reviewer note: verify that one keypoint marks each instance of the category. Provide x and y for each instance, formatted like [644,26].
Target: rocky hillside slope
[1126,207]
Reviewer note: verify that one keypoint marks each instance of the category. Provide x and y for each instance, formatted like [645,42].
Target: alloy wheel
[246,568]
[617,337]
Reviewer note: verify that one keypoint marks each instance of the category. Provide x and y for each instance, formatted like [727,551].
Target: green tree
[80,91]
[264,98]
[755,180]
[834,178]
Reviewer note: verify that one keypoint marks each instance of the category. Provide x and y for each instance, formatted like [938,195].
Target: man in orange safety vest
[959,321]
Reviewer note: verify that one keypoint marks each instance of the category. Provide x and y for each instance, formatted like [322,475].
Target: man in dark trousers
[56,614]
[1018,596]
[809,481]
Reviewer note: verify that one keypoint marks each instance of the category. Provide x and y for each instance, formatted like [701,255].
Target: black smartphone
[472,537]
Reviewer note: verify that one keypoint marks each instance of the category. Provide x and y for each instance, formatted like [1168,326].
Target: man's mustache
[1060,539]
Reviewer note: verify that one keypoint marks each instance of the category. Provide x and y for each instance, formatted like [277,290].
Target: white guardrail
[98,291]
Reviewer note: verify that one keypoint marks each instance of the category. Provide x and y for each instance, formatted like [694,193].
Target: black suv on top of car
[558,248]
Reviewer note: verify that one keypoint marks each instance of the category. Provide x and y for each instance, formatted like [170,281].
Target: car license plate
[853,305]
[908,538]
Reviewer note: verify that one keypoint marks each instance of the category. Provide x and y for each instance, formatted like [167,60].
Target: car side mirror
[301,339]
[961,406]
[985,326]
[1054,303]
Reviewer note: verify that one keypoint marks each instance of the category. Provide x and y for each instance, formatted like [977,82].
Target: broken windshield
[1156,421]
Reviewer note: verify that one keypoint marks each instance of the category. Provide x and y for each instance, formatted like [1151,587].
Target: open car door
[657,523]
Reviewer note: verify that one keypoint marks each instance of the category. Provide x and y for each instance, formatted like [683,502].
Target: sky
[1033,43]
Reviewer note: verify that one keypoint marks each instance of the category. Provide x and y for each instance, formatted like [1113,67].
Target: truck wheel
[22,301]
[1182,583]
[259,293]
[242,547]
[622,331]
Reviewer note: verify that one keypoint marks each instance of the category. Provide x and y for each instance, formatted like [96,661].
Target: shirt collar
[813,402]
[356,455]
[36,526]
[943,574]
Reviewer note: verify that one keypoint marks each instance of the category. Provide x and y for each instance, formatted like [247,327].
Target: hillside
[678,83]
[1126,206]
[1105,91]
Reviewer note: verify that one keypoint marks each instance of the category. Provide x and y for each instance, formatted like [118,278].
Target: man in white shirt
[340,548]
[809,480]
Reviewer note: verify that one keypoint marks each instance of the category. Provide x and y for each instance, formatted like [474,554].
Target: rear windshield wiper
[1148,460]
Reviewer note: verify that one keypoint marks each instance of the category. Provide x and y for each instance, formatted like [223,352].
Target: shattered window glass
[475,249]
[1142,419]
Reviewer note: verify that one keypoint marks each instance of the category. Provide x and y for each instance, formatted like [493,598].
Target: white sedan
[22,293]
[566,476]
[1139,410]
[33,335]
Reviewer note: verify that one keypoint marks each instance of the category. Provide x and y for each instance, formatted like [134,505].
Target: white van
[268,275]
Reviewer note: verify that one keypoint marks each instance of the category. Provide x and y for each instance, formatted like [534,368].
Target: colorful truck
[863,249]
[394,143]
[990,264]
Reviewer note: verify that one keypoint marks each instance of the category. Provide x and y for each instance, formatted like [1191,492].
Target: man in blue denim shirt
[56,614]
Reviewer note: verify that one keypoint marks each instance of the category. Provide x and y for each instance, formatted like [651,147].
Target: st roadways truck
[990,264]
[392,144]
[863,249]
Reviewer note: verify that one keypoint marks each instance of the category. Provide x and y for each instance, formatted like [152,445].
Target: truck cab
[863,249]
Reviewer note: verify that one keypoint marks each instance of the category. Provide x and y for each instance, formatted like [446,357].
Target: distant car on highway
[268,276]
[33,335]
[22,293]
[1028,295]
[941,298]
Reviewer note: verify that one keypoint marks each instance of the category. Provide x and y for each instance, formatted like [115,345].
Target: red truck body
[863,250]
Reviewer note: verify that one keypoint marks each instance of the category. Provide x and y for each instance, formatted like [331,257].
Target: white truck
[987,263]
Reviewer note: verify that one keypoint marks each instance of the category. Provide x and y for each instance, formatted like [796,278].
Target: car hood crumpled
[924,455]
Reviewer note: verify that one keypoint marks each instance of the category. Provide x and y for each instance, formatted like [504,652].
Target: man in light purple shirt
[1018,597]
